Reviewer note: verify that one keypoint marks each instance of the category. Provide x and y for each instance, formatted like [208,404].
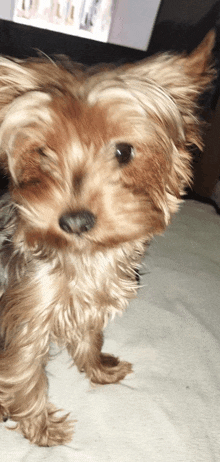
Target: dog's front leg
[24,350]
[99,367]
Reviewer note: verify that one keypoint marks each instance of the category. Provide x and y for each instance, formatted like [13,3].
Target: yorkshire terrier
[97,161]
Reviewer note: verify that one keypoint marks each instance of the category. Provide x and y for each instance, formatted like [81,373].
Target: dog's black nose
[77,222]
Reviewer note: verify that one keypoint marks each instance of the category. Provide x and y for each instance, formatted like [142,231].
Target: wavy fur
[77,218]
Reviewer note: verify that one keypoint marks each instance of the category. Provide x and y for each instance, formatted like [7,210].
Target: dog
[98,160]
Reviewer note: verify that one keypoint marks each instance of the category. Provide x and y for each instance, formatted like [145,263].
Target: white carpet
[168,410]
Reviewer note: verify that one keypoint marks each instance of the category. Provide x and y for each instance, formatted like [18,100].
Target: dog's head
[98,158]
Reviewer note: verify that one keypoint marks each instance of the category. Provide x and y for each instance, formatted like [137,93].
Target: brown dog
[98,160]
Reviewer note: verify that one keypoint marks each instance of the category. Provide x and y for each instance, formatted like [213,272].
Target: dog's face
[99,159]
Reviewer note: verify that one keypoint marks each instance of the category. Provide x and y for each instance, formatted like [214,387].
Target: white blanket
[168,409]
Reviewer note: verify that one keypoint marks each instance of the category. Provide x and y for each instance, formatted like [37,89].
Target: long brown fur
[60,134]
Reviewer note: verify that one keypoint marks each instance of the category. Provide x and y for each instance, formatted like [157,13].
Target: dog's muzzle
[77,222]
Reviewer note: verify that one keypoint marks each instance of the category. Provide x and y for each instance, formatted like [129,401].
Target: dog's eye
[124,153]
[41,152]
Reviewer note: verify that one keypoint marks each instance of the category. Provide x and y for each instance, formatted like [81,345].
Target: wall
[6,10]
[132,22]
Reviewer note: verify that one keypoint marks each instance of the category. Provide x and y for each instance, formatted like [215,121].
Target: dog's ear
[26,89]
[23,115]
[182,77]
[199,64]
[194,71]
[15,80]
[179,73]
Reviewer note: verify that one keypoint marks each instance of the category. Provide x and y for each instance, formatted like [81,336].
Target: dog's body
[97,161]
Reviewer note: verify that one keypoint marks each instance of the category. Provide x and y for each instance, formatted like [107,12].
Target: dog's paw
[110,370]
[47,429]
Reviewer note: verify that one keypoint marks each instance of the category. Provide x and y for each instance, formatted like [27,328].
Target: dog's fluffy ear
[15,80]
[199,64]
[183,77]
[179,72]
[26,87]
